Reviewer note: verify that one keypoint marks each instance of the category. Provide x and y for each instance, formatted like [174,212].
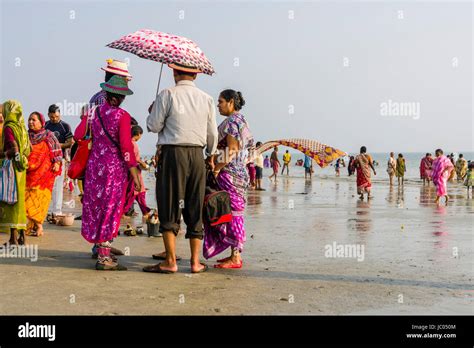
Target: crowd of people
[33,168]
[439,170]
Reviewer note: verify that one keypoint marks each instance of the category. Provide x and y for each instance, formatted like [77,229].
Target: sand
[417,260]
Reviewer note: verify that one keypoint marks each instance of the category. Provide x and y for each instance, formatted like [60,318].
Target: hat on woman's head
[185,68]
[117,67]
[117,85]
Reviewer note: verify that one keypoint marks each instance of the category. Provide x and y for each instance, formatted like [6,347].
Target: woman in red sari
[44,164]
[363,164]
[425,168]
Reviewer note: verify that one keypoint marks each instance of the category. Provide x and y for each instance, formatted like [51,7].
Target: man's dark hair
[363,149]
[53,108]
[186,73]
[439,151]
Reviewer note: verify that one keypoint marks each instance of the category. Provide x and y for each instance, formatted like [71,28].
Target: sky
[390,75]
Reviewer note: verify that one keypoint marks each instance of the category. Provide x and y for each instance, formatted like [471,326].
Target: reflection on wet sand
[286,184]
[308,186]
[426,195]
[440,228]
[254,198]
[362,222]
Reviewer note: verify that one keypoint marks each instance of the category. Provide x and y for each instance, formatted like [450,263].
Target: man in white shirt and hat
[185,119]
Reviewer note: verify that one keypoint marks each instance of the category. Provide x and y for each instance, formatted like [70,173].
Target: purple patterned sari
[234,179]
[106,180]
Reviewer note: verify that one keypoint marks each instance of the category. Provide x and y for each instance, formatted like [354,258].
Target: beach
[417,259]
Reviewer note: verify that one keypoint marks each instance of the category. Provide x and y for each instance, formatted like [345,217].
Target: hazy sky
[336,72]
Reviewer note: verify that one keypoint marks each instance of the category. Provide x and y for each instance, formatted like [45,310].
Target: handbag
[217,209]
[77,167]
[8,189]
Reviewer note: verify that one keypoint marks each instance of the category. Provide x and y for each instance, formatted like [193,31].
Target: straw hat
[117,67]
[117,85]
[186,68]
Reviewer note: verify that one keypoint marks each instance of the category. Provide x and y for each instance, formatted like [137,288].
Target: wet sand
[417,260]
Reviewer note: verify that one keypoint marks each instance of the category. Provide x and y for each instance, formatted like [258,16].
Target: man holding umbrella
[185,120]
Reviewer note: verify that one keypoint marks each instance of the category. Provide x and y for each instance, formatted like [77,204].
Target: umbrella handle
[159,80]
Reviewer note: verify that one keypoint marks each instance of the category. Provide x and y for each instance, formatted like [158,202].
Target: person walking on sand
[266,162]
[391,167]
[425,168]
[16,148]
[351,166]
[275,163]
[259,168]
[363,165]
[44,164]
[337,166]
[461,167]
[62,132]
[185,119]
[401,169]
[235,139]
[442,168]
[106,183]
[286,163]
[469,179]
[308,167]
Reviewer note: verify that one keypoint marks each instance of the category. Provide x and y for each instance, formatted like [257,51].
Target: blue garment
[307,161]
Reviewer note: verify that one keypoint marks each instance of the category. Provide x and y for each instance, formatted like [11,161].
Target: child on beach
[140,197]
[469,180]
[266,162]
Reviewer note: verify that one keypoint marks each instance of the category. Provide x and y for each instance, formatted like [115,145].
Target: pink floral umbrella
[164,48]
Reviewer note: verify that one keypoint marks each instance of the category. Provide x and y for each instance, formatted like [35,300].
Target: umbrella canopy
[321,153]
[164,48]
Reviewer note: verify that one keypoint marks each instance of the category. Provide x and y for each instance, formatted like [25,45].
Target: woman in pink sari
[442,168]
[107,172]
[426,164]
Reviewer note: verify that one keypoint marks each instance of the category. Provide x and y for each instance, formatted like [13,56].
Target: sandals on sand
[229,265]
[104,267]
[202,270]
[157,269]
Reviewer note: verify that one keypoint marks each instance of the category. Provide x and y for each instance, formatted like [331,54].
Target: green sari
[400,170]
[14,216]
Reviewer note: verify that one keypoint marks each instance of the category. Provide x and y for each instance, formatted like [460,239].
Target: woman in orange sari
[363,164]
[44,164]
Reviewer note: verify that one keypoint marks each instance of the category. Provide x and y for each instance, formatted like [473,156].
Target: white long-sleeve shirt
[184,115]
